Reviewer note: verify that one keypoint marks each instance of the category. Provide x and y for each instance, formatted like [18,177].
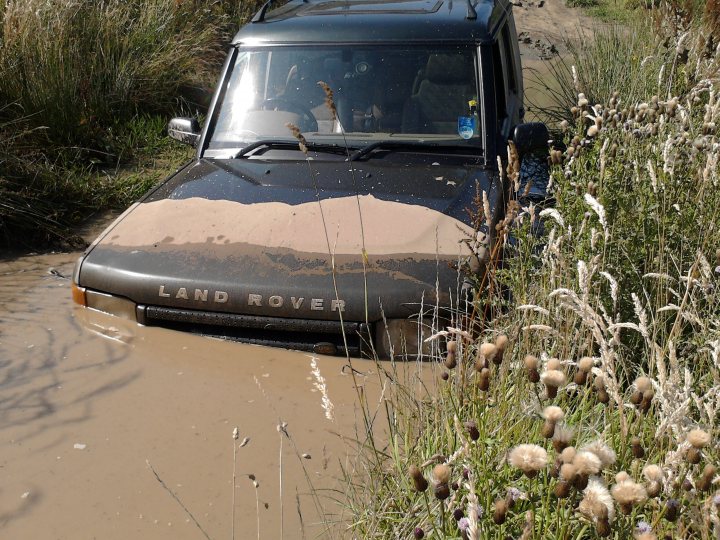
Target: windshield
[395,93]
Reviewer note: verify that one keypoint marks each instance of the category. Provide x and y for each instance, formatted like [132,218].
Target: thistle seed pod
[531,364]
[486,354]
[472,430]
[484,380]
[458,514]
[637,450]
[580,377]
[418,479]
[654,489]
[444,375]
[694,455]
[501,343]
[450,360]
[500,513]
[442,491]
[636,397]
[562,489]
[704,483]
[603,527]
[603,396]
[672,509]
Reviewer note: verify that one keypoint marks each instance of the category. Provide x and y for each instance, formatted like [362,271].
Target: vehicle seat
[445,87]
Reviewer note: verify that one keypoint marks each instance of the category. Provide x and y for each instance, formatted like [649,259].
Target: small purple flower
[514,493]
[479,511]
[716,500]
[418,533]
[643,527]
[463,524]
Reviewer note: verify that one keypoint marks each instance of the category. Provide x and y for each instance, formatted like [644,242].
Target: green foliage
[90,87]
[623,272]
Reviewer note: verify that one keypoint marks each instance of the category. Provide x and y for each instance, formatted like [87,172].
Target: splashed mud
[88,400]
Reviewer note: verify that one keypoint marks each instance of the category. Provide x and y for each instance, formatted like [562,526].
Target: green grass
[626,272]
[91,101]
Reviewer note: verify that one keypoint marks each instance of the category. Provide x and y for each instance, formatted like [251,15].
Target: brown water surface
[88,402]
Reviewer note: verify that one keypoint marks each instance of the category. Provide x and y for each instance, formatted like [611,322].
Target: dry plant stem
[234,487]
[281,431]
[195,521]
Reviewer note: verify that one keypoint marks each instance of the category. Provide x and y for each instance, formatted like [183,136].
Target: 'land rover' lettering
[256,300]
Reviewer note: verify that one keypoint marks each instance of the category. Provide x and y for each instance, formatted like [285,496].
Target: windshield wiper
[410,145]
[291,145]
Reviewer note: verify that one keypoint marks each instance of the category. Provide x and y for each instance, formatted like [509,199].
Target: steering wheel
[308,121]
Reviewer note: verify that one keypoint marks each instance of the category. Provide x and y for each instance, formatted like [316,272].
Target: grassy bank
[588,405]
[86,89]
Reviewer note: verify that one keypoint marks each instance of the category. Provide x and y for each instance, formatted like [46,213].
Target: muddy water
[89,403]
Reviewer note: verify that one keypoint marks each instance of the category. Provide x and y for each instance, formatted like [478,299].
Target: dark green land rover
[327,206]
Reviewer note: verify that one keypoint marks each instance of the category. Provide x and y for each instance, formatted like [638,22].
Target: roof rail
[260,15]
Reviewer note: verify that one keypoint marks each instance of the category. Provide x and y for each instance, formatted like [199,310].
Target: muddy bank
[87,402]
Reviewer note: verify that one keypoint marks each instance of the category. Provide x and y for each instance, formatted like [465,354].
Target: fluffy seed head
[562,437]
[417,478]
[629,494]
[531,362]
[441,473]
[452,346]
[568,454]
[622,476]
[597,503]
[553,413]
[529,458]
[653,473]
[501,342]
[603,451]
[553,363]
[698,438]
[568,471]
[643,384]
[587,463]
[553,377]
[488,351]
[600,382]
[586,363]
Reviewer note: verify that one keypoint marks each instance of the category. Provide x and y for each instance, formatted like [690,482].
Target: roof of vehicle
[371,21]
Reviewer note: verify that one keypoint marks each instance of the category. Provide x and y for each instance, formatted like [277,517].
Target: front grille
[300,334]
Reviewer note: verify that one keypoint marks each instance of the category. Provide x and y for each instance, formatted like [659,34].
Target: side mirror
[185,130]
[530,137]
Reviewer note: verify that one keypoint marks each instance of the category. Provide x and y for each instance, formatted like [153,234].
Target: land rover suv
[328,205]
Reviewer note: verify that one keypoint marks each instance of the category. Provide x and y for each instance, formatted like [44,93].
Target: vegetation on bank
[86,89]
[588,404]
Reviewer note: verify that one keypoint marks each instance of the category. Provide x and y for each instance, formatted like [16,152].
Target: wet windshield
[390,93]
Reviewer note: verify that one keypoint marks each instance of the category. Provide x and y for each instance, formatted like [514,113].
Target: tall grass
[87,86]
[606,341]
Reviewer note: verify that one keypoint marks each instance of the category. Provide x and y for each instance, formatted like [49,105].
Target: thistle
[529,458]
[637,449]
[628,494]
[451,358]
[704,483]
[418,479]
[484,379]
[500,512]
[501,343]
[606,454]
[584,365]
[472,429]
[698,440]
[531,364]
[562,437]
[553,379]
[552,415]
[597,506]
[441,479]
[486,354]
[603,396]
[655,478]
[586,464]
